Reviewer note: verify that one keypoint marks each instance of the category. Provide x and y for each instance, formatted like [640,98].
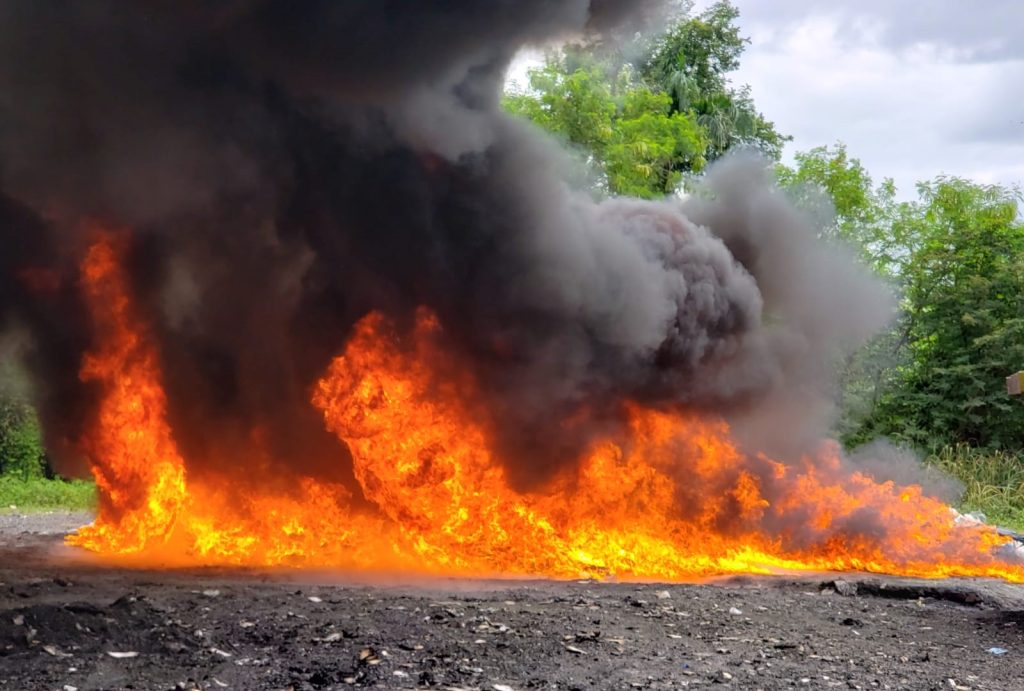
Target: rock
[844,588]
[721,677]
[663,595]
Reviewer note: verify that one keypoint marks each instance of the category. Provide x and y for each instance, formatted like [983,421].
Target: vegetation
[993,482]
[26,481]
[691,63]
[42,494]
[642,124]
[957,255]
[935,381]
[624,130]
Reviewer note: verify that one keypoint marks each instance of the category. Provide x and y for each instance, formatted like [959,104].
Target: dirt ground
[68,624]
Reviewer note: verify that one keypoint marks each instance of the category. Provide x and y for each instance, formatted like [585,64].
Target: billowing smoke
[285,168]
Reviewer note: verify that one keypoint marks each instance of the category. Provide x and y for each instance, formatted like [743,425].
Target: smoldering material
[286,169]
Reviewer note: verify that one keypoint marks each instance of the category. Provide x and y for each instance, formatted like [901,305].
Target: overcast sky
[915,88]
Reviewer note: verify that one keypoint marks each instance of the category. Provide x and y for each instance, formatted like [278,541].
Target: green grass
[40,494]
[993,482]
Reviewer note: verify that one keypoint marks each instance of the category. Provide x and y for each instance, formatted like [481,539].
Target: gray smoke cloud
[287,168]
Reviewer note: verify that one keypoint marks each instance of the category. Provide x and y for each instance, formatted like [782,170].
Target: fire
[672,498]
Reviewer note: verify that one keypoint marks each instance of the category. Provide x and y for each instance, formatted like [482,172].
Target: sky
[915,88]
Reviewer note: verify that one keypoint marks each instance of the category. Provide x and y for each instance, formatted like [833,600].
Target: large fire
[671,499]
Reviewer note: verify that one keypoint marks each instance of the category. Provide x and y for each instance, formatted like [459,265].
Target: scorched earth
[68,623]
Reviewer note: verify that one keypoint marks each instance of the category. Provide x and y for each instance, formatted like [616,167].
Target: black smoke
[286,168]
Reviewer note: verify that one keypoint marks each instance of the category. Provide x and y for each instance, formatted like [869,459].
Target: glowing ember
[673,499]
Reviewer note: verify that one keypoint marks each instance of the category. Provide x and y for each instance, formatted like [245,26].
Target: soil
[67,623]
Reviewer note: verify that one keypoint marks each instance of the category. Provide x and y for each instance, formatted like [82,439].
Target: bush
[993,482]
[40,493]
[21,444]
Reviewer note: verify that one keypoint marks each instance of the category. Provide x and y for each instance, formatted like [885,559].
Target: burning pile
[360,321]
[671,499]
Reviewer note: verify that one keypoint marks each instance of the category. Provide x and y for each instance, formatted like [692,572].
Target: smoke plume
[286,168]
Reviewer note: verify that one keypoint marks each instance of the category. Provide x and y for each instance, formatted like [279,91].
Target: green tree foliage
[691,62]
[625,131]
[21,446]
[964,320]
[837,189]
[956,257]
[645,123]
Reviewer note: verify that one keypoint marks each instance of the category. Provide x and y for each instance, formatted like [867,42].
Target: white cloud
[914,89]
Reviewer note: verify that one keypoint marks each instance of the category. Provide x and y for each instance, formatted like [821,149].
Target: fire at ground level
[68,623]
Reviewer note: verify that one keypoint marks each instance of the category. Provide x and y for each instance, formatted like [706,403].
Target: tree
[21,447]
[644,123]
[957,257]
[625,131]
[964,321]
[691,62]
[836,189]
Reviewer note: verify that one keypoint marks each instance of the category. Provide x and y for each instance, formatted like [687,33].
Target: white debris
[222,653]
[502,687]
[663,595]
[314,598]
[118,655]
[735,612]
[1011,551]
[211,593]
[973,518]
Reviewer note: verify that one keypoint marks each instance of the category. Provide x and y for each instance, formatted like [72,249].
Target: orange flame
[672,499]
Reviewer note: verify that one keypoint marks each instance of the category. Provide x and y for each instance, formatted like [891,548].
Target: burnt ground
[68,624]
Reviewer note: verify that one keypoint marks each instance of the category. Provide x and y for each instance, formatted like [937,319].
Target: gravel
[70,622]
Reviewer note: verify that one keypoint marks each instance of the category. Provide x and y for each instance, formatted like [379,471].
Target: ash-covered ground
[67,624]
